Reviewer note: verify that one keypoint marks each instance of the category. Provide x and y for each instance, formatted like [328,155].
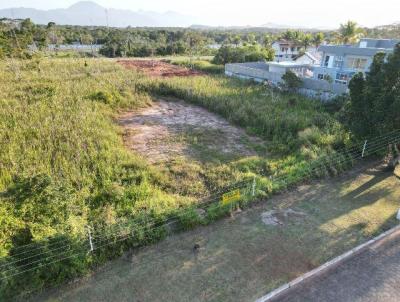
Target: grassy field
[241,258]
[64,165]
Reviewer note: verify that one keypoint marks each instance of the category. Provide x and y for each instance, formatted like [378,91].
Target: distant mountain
[395,25]
[90,13]
[275,25]
[212,27]
[283,26]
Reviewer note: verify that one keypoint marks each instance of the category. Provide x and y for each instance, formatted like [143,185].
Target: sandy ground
[167,130]
[242,257]
[156,68]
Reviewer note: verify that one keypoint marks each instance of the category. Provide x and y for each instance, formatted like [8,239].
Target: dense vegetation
[62,161]
[251,53]
[375,100]
[142,42]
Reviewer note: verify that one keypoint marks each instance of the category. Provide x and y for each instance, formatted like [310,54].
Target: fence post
[253,188]
[363,151]
[90,238]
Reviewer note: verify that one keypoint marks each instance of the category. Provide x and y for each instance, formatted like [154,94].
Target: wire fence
[36,256]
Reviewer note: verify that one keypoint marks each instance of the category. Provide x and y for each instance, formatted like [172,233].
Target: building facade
[340,63]
[286,50]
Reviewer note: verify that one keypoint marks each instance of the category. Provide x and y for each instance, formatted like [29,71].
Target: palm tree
[349,32]
[318,39]
[306,41]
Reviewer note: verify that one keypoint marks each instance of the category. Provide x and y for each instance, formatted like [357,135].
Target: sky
[302,13]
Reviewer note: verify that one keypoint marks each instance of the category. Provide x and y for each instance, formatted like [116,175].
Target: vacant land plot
[242,257]
[156,68]
[168,130]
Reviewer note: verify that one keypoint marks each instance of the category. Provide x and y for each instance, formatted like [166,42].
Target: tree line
[17,35]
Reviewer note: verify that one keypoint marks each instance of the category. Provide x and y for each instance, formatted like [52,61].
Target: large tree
[374,107]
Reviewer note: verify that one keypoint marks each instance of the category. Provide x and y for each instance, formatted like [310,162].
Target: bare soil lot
[157,68]
[243,257]
[171,129]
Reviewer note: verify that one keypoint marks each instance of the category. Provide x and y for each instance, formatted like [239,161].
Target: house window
[342,78]
[292,49]
[282,49]
[326,62]
[356,63]
[338,62]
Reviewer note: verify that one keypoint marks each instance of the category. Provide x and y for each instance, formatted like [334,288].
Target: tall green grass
[201,65]
[62,160]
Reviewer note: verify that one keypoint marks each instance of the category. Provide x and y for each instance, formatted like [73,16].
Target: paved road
[372,276]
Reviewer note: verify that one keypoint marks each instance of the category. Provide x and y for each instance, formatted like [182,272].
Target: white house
[286,50]
[310,58]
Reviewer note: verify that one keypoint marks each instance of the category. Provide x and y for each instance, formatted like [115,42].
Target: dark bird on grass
[196,247]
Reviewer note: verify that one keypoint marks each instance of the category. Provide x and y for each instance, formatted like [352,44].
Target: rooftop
[288,42]
[378,43]
[366,47]
[287,64]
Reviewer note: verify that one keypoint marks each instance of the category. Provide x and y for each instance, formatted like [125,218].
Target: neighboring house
[310,58]
[265,71]
[76,46]
[272,72]
[340,62]
[286,50]
[324,80]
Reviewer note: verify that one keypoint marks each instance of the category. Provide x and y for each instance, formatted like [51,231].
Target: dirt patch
[158,68]
[280,217]
[168,130]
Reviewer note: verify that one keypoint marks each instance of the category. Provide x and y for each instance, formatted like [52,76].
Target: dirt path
[168,130]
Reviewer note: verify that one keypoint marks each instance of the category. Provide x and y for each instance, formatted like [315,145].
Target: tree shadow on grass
[379,176]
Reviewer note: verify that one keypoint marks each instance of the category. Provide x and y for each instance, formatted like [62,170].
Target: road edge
[326,266]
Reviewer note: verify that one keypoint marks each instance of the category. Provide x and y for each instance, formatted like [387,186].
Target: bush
[201,65]
[189,218]
[229,54]
[291,81]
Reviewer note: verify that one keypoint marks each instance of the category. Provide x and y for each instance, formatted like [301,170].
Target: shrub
[229,54]
[291,81]
[189,218]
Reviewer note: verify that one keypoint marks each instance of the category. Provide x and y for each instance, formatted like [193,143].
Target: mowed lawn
[240,257]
